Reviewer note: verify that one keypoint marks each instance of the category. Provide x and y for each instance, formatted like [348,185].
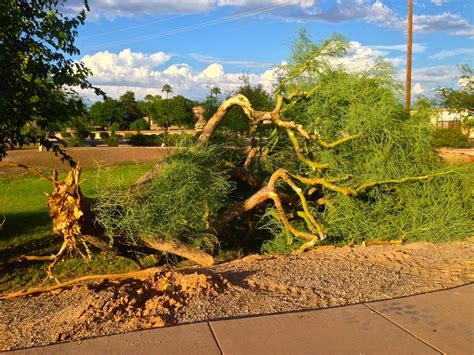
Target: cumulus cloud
[146,73]
[116,73]
[418,89]
[125,66]
[359,57]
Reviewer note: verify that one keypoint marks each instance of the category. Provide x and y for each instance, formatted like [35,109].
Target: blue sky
[195,45]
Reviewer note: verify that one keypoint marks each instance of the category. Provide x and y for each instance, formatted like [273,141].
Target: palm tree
[409,56]
[215,91]
[167,88]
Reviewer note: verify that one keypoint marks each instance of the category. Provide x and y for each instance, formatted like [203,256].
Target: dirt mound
[105,307]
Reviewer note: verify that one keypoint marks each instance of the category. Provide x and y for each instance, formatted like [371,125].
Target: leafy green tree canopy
[36,42]
[175,111]
[132,111]
[108,113]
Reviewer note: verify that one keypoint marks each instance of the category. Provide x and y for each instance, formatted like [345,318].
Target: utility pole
[409,56]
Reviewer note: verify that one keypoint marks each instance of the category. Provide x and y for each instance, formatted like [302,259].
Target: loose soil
[323,277]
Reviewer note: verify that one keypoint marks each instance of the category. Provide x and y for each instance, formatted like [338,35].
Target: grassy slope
[27,230]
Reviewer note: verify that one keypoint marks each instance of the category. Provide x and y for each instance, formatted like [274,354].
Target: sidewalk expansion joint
[215,337]
[405,329]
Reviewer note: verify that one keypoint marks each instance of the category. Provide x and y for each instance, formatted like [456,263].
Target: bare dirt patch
[457,156]
[320,278]
[90,157]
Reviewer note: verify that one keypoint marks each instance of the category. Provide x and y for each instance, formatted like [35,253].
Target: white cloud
[146,73]
[439,74]
[416,47]
[116,73]
[112,9]
[241,63]
[418,89]
[359,57]
[371,11]
[439,2]
[443,22]
[448,53]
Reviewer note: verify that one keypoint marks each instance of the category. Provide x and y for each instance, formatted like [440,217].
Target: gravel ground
[324,277]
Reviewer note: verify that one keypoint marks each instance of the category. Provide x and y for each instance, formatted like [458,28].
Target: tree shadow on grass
[26,233]
[22,224]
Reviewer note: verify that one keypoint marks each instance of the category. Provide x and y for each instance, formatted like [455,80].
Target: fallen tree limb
[181,249]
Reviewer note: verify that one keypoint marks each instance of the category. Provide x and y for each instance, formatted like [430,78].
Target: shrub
[104,135]
[451,137]
[128,135]
[74,142]
[139,125]
[65,134]
[112,141]
[92,135]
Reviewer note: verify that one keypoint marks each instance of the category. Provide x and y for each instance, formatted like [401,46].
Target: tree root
[140,275]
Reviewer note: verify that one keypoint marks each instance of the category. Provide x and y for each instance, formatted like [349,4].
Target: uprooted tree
[335,160]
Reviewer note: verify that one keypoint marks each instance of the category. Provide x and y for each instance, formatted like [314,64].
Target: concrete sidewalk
[438,322]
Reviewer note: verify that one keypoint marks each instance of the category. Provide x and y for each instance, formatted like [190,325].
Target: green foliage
[74,142]
[104,135]
[390,146]
[108,113]
[451,137]
[81,129]
[179,203]
[132,111]
[167,89]
[36,66]
[235,120]
[112,141]
[175,111]
[437,210]
[139,125]
[461,99]
[281,241]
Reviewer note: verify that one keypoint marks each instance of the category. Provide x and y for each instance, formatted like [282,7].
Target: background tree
[167,89]
[463,98]
[215,91]
[132,111]
[175,111]
[107,113]
[257,95]
[36,42]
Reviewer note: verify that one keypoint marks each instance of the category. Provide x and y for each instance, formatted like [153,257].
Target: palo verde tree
[36,43]
[341,162]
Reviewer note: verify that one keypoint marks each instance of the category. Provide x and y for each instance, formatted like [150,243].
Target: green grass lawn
[27,229]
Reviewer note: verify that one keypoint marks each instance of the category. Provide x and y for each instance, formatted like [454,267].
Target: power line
[137,26]
[193,27]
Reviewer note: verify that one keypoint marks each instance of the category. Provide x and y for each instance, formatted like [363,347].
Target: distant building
[451,119]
